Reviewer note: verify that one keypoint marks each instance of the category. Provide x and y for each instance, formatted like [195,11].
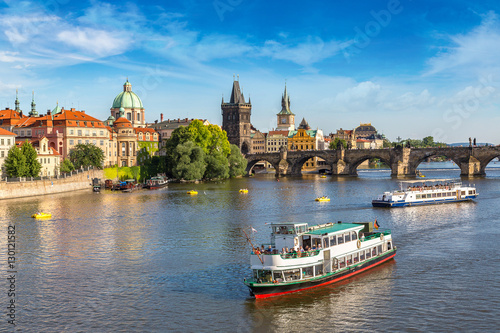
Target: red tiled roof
[5,132]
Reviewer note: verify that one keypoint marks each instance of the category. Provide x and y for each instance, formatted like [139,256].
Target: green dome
[127,99]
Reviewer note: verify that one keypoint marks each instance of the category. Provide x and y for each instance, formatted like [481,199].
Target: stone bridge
[403,161]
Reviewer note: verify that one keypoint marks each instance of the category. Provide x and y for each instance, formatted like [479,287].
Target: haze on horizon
[412,69]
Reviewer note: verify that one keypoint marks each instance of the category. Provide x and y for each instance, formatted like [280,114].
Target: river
[165,261]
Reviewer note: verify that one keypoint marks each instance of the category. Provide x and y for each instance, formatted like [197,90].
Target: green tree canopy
[190,161]
[66,166]
[86,155]
[334,144]
[217,166]
[15,163]
[33,167]
[237,163]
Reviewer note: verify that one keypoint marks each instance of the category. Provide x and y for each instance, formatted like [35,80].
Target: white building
[7,141]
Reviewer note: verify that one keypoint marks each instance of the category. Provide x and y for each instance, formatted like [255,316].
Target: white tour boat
[425,192]
[302,257]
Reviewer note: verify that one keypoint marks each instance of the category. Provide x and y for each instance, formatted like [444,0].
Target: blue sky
[411,68]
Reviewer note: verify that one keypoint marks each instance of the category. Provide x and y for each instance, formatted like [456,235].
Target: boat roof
[431,181]
[334,228]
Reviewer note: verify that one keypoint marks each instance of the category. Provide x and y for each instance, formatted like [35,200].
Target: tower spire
[17,103]
[33,112]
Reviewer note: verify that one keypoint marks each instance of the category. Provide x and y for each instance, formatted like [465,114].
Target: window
[101,133]
[71,132]
[333,240]
[87,132]
[79,132]
[379,248]
[2,142]
[71,142]
[326,242]
[102,143]
[374,252]
[347,237]
[307,272]
[8,142]
[124,151]
[362,256]
[3,153]
[318,270]
[340,239]
[138,117]
[79,142]
[22,133]
[349,260]
[354,235]
[28,133]
[94,142]
[368,254]
[292,274]
[87,141]
[463,192]
[94,133]
[129,117]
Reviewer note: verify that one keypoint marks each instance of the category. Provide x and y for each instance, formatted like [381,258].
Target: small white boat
[426,192]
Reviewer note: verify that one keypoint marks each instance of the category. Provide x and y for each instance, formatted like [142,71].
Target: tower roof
[236,94]
[304,124]
[285,104]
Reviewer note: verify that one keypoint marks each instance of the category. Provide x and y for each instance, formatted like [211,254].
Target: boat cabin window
[347,237]
[316,242]
[368,254]
[434,195]
[326,242]
[419,196]
[333,240]
[354,235]
[362,256]
[283,230]
[292,274]
[262,275]
[349,260]
[388,246]
[463,192]
[379,248]
[277,276]
[374,252]
[318,270]
[342,262]
[300,229]
[307,272]
[340,239]
[355,257]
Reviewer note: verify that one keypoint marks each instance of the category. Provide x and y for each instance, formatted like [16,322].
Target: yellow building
[306,139]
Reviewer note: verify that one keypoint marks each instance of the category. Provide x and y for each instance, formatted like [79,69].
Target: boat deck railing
[376,235]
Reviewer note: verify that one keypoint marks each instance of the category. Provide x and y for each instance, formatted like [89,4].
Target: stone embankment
[25,187]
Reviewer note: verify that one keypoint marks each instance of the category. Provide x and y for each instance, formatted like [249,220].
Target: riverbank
[32,188]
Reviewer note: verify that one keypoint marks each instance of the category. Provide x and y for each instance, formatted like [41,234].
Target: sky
[410,68]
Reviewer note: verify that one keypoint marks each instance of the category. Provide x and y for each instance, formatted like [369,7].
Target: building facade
[286,119]
[7,141]
[306,139]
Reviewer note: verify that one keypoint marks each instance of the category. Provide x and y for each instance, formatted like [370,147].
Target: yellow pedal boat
[41,215]
[243,190]
[192,192]
[323,199]
[323,176]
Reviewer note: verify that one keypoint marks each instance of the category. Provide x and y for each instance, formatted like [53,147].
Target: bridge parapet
[402,161]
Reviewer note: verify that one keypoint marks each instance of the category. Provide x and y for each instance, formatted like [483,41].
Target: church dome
[127,99]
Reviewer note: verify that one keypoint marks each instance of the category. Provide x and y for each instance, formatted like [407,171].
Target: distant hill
[466,144]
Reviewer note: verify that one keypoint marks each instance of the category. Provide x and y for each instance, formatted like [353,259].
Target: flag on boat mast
[253,229]
[375,224]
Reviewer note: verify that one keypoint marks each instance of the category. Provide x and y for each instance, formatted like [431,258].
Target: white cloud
[97,42]
[470,52]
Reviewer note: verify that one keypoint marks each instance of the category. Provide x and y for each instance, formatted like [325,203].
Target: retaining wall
[75,182]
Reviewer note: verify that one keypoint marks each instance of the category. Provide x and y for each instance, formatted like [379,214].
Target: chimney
[72,109]
[83,111]
[161,116]
[186,120]
[49,112]
[156,121]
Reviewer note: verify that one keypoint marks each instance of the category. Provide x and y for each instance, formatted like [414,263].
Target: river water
[164,261]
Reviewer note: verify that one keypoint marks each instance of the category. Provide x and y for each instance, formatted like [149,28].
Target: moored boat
[426,192]
[302,257]
[156,182]
[322,199]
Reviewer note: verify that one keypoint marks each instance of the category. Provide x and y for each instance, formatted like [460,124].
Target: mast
[253,248]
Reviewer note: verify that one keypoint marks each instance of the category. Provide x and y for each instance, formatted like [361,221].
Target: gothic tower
[236,118]
[33,112]
[286,119]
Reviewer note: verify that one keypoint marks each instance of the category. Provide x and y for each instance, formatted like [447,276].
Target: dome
[57,109]
[127,99]
[122,122]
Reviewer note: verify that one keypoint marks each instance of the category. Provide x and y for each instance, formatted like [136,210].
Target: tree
[335,143]
[237,163]
[33,167]
[428,141]
[218,140]
[86,155]
[15,163]
[217,166]
[66,166]
[190,161]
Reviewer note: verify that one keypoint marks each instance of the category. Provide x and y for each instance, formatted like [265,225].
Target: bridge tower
[236,118]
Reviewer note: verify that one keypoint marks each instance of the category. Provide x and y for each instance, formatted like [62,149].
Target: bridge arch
[297,162]
[353,165]
[417,160]
[252,162]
